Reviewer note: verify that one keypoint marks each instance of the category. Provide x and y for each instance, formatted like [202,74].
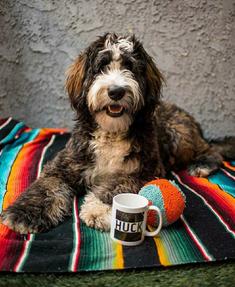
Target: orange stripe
[19,178]
[222,194]
[223,202]
[228,165]
[50,131]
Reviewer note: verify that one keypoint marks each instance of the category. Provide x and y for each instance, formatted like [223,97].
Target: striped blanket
[205,232]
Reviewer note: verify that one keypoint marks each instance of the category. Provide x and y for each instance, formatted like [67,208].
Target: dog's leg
[116,184]
[95,213]
[96,209]
[206,161]
[205,164]
[47,201]
[182,140]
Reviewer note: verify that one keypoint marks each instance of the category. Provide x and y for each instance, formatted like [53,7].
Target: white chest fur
[111,155]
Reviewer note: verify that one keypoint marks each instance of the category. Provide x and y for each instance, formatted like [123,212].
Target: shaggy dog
[124,136]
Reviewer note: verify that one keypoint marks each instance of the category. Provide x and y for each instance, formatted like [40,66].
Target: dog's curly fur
[124,136]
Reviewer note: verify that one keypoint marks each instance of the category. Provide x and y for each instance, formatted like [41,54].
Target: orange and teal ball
[167,196]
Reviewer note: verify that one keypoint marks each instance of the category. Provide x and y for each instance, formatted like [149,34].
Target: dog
[124,136]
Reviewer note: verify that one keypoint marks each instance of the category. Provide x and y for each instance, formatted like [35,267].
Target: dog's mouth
[114,110]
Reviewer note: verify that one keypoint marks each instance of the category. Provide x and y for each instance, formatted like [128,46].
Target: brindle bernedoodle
[124,136]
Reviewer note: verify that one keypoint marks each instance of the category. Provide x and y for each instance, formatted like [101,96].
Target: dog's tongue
[115,109]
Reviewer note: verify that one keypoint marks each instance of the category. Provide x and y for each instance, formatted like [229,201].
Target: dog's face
[114,80]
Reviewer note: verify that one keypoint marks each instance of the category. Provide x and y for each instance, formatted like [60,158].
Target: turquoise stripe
[96,251]
[226,183]
[178,245]
[7,158]
[12,133]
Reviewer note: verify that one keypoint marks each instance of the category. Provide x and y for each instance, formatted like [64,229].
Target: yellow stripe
[162,253]
[161,250]
[118,260]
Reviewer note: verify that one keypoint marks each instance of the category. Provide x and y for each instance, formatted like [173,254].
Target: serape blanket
[205,232]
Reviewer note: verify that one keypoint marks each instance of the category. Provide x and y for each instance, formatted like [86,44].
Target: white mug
[129,216]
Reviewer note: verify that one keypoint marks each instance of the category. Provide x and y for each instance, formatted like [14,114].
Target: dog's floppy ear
[153,77]
[75,78]
[154,80]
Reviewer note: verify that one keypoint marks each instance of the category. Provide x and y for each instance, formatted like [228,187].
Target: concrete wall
[192,42]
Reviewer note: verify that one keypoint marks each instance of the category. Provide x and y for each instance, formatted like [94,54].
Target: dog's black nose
[116,92]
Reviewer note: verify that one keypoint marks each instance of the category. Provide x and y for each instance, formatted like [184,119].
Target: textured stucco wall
[192,42]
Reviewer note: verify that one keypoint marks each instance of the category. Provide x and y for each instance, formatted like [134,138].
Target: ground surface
[219,274]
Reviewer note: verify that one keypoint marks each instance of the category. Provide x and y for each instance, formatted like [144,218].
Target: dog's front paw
[21,220]
[95,213]
[201,170]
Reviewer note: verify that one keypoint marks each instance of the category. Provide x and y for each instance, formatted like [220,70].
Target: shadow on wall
[191,42]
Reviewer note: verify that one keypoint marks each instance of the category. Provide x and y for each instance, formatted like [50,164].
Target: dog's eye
[104,62]
[101,62]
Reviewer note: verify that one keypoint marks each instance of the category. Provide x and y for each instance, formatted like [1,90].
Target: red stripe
[221,201]
[22,253]
[20,131]
[39,167]
[207,204]
[194,239]
[24,170]
[77,254]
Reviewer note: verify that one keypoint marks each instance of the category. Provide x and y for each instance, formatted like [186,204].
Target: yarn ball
[167,196]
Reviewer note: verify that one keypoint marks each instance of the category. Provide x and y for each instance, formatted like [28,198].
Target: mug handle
[155,232]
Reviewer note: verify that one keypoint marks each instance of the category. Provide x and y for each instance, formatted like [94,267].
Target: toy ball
[167,196]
